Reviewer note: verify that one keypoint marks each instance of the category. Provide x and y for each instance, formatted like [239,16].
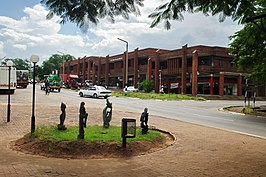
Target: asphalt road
[205,113]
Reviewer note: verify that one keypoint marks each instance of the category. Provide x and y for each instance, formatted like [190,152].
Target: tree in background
[46,68]
[20,64]
[52,65]
[249,49]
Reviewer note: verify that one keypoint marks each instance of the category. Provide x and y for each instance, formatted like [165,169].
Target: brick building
[190,70]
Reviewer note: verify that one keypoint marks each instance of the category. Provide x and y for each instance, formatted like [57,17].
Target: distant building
[188,70]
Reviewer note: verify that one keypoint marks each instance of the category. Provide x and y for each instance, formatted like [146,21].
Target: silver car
[95,92]
[130,89]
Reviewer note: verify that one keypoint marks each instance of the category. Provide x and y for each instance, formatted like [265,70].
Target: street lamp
[34,59]
[160,81]
[63,65]
[9,63]
[126,59]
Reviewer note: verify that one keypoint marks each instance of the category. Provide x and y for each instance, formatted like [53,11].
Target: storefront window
[163,65]
[143,61]
[205,61]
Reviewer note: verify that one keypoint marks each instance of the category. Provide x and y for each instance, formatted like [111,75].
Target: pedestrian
[125,89]
[47,87]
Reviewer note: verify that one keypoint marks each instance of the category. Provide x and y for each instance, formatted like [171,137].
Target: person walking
[47,87]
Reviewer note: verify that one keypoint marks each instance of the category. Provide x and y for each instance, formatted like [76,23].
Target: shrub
[147,86]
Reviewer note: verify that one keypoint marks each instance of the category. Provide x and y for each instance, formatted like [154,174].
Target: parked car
[130,89]
[95,92]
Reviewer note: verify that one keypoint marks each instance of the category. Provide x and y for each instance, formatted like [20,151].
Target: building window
[153,65]
[205,61]
[180,63]
[189,62]
[163,65]
[220,62]
[103,67]
[111,66]
[143,61]
[232,64]
[118,65]
[130,63]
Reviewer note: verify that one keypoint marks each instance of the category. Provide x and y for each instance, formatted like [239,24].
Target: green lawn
[92,133]
[157,96]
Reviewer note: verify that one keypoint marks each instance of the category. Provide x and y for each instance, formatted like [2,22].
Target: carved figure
[61,126]
[107,114]
[82,120]
[144,121]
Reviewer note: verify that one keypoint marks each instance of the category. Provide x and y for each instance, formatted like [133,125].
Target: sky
[24,31]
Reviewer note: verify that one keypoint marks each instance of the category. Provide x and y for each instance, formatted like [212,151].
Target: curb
[231,112]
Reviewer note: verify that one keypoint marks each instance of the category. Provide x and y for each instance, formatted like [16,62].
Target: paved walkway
[198,151]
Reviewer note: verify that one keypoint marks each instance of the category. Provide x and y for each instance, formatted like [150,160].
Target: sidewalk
[198,151]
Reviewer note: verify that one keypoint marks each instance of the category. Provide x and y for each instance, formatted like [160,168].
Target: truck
[4,79]
[55,82]
[22,78]
[70,80]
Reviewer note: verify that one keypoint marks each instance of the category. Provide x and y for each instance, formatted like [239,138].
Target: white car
[131,89]
[95,92]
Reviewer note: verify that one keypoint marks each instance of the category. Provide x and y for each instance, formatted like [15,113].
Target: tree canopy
[249,49]
[238,10]
[20,64]
[82,12]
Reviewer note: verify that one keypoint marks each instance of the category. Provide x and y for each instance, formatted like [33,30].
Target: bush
[147,86]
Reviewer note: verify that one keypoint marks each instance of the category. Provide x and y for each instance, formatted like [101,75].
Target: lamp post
[9,63]
[126,60]
[34,59]
[63,65]
[160,81]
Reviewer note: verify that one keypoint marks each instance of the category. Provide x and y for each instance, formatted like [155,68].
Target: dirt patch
[79,149]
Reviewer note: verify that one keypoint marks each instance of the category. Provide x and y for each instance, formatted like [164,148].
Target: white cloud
[2,54]
[195,29]
[33,34]
[20,46]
